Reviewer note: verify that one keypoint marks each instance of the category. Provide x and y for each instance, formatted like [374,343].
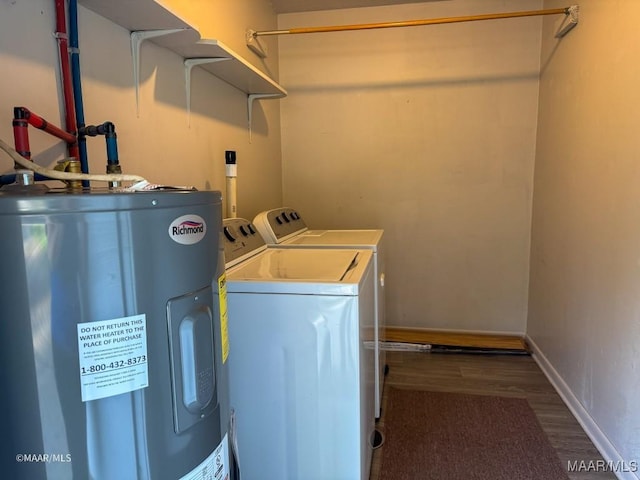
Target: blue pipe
[112,143]
[77,86]
[107,129]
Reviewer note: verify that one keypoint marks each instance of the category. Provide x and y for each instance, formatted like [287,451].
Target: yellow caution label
[224,320]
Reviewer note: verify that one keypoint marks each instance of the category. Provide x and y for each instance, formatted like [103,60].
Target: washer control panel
[279,224]
[241,240]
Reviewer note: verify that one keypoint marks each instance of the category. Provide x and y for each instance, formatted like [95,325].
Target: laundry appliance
[301,377]
[112,342]
[286,228]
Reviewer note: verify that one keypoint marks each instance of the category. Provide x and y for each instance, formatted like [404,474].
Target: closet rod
[414,23]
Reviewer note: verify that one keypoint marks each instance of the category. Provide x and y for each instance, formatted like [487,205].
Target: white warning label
[214,467]
[113,357]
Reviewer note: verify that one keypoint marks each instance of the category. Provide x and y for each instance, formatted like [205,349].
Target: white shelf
[136,14]
[237,71]
[149,19]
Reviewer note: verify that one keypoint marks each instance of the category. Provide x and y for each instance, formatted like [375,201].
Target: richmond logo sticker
[188,229]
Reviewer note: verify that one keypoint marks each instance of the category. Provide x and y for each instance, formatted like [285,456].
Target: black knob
[228,234]
[244,231]
[251,229]
[285,218]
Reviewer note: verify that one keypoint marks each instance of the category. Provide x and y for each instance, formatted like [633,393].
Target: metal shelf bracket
[256,96]
[189,63]
[137,37]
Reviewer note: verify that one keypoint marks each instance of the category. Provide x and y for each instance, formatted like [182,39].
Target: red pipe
[21,132]
[22,114]
[67,85]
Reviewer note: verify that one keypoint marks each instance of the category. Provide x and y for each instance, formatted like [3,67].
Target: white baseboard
[591,428]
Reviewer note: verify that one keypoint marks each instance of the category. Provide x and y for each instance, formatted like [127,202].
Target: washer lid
[301,270]
[346,238]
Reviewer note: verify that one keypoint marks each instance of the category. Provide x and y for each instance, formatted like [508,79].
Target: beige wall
[228,21]
[428,133]
[585,266]
[160,144]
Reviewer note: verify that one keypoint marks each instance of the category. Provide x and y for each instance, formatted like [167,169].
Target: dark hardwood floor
[501,375]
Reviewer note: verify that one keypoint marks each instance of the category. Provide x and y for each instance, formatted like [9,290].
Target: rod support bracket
[254,44]
[570,21]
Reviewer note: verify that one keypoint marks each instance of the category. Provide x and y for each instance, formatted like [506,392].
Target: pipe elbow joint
[114,168]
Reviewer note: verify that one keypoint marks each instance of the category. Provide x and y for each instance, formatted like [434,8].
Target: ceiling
[292,6]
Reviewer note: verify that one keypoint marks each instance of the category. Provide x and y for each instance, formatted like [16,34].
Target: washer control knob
[252,230]
[244,231]
[228,234]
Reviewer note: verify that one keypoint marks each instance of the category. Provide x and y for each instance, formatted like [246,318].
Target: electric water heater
[113,337]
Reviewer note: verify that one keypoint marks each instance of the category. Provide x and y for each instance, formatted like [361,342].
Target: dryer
[286,228]
[300,376]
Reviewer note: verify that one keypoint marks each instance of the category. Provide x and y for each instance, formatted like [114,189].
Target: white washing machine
[301,379]
[286,228]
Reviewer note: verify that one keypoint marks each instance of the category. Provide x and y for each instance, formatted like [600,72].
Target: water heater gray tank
[112,342]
